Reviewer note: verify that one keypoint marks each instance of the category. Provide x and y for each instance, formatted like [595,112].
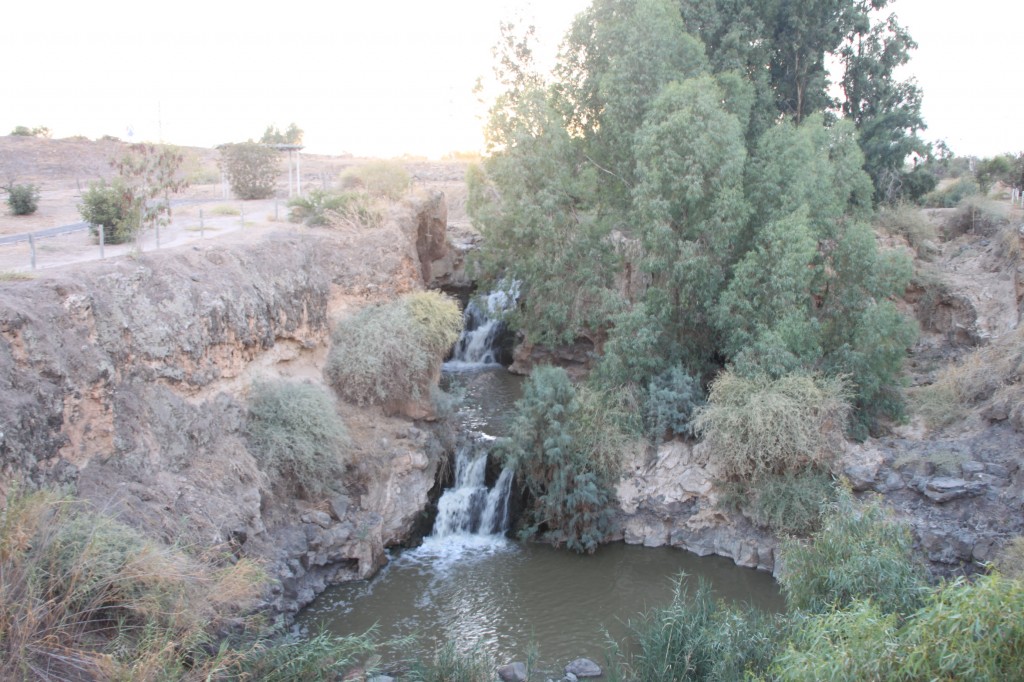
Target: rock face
[961,494]
[670,500]
[128,378]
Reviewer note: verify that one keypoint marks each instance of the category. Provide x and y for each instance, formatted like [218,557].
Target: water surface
[504,597]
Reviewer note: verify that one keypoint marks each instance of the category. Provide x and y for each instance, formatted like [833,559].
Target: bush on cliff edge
[392,352]
[297,436]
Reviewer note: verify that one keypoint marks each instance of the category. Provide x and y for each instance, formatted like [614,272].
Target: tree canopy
[685,191]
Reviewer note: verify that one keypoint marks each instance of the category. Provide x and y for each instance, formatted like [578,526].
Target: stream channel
[471,585]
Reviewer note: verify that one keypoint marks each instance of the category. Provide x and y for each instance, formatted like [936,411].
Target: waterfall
[481,330]
[469,507]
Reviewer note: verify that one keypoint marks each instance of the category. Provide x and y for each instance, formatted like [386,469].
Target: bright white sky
[388,77]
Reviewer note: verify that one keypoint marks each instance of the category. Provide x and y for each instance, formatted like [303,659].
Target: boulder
[583,667]
[513,672]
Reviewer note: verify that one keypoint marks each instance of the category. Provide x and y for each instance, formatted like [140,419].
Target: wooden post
[298,171]
[32,249]
[102,238]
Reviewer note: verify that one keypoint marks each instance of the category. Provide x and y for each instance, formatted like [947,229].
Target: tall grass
[387,179]
[85,597]
[694,637]
[994,371]
[448,664]
[859,553]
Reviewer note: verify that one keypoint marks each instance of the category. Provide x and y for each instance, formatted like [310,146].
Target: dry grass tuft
[910,222]
[85,597]
[991,373]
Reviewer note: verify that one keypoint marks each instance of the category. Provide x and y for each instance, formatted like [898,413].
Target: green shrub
[755,426]
[964,631]
[298,437]
[393,352]
[116,207]
[967,631]
[318,207]
[695,638]
[378,178]
[672,399]
[22,199]
[851,644]
[792,503]
[251,169]
[567,453]
[952,194]
[25,131]
[859,553]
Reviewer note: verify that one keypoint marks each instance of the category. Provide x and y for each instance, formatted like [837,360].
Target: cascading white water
[469,507]
[480,330]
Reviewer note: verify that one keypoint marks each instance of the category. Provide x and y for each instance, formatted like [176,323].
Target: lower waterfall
[469,507]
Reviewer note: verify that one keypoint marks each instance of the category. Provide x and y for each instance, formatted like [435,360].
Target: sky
[391,77]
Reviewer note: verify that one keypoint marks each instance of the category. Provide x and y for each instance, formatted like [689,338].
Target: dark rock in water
[583,667]
[513,672]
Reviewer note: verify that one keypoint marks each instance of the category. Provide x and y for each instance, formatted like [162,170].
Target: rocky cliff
[127,379]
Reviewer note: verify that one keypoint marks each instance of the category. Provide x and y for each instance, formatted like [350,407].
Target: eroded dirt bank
[127,380]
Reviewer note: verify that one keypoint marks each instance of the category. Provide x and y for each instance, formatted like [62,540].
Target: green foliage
[251,169]
[1005,168]
[25,131]
[566,449]
[696,638]
[152,173]
[757,426]
[650,198]
[387,179]
[319,207]
[392,352]
[114,206]
[887,112]
[689,198]
[22,199]
[297,436]
[766,310]
[293,135]
[673,398]
[952,194]
[859,553]
[964,631]
[786,504]
[854,643]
